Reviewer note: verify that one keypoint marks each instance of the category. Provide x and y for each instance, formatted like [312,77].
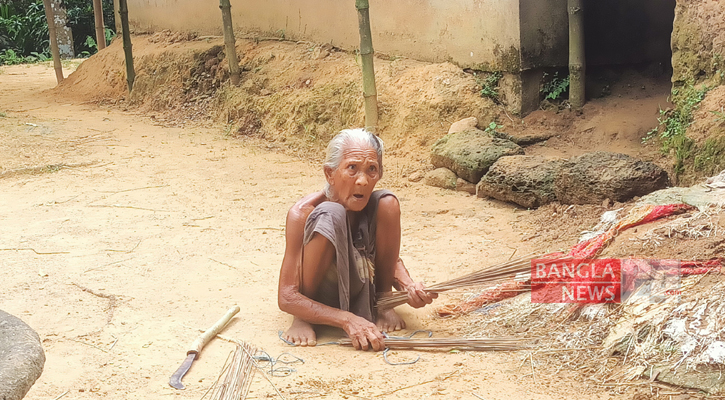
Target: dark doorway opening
[626,38]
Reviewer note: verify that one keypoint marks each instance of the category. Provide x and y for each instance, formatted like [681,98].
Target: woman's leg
[318,255]
[387,247]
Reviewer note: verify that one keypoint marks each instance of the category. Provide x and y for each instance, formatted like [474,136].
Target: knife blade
[193,352]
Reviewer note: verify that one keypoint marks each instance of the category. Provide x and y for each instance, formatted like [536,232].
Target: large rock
[525,180]
[443,178]
[594,177]
[470,153]
[21,357]
[463,125]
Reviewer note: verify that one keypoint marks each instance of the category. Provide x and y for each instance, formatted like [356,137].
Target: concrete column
[520,91]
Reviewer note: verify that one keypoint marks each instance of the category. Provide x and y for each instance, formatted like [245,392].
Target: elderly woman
[343,246]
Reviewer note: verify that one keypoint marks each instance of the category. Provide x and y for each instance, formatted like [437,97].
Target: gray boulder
[21,357]
[594,177]
[470,153]
[525,180]
[441,177]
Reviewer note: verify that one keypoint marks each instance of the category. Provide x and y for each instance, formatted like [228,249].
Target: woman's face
[354,180]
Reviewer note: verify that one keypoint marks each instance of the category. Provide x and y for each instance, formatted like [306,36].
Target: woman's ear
[328,175]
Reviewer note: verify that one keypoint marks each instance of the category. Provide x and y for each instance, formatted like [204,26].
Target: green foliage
[554,87]
[489,84]
[24,29]
[109,34]
[82,22]
[673,123]
[711,157]
[492,128]
[719,115]
[10,57]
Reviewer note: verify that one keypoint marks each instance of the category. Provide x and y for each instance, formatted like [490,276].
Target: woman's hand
[418,297]
[364,334]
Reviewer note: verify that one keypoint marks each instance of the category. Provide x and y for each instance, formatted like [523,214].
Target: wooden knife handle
[205,337]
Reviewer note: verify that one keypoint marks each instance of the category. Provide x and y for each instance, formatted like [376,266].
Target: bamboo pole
[229,41]
[50,17]
[368,69]
[100,27]
[130,73]
[577,63]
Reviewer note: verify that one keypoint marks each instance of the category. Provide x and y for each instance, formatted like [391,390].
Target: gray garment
[349,283]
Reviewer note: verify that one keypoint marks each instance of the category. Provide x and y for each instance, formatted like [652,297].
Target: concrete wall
[482,34]
[544,33]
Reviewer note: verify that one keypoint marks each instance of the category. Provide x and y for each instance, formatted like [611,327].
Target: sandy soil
[122,237]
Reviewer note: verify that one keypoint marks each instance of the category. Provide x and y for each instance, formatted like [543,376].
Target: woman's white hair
[345,139]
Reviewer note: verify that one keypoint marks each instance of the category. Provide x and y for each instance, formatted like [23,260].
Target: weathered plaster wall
[482,34]
[698,41]
[628,31]
[544,33]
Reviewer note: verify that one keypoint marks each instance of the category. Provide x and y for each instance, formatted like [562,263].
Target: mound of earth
[297,95]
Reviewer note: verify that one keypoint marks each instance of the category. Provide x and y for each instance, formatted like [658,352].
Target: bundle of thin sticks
[482,344]
[237,373]
[489,275]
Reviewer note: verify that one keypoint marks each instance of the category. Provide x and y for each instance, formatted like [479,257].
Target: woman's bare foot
[301,333]
[389,321]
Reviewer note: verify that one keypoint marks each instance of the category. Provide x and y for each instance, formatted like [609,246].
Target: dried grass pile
[236,376]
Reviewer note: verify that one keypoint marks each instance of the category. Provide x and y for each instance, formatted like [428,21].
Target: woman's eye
[351,166]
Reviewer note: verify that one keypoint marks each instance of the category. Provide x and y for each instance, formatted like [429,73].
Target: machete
[199,344]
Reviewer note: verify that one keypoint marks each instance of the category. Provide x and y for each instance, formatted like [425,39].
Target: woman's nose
[362,180]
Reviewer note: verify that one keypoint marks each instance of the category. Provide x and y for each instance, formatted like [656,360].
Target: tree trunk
[368,69]
[229,41]
[63,33]
[100,27]
[50,17]
[577,63]
[130,73]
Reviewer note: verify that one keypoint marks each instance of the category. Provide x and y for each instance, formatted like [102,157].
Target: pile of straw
[237,375]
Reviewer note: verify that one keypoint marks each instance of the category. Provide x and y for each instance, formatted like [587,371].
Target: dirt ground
[122,236]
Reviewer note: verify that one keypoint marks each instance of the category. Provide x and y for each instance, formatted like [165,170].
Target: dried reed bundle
[483,344]
[489,275]
[238,374]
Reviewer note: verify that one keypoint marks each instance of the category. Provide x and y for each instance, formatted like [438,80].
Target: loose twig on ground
[131,207]
[35,251]
[62,394]
[418,384]
[126,251]
[42,169]
[134,189]
[111,300]
[106,265]
[222,263]
[91,345]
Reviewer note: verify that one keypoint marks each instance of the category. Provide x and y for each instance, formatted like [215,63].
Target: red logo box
[579,280]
